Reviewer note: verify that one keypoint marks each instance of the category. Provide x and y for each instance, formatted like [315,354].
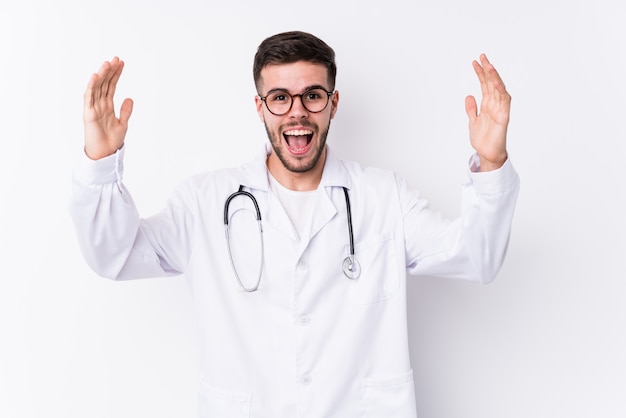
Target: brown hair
[290,47]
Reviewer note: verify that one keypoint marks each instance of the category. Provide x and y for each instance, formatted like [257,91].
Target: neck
[298,181]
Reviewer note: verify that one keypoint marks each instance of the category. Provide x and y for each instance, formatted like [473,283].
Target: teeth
[299,132]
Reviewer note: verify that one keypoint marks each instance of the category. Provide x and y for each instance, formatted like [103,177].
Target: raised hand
[104,132]
[488,128]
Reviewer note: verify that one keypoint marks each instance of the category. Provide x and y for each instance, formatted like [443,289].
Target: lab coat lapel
[323,212]
[334,175]
[277,218]
[334,178]
[254,177]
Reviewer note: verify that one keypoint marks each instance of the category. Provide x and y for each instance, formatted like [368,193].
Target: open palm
[104,132]
[489,126]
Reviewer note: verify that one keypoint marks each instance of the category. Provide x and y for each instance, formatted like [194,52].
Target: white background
[545,340]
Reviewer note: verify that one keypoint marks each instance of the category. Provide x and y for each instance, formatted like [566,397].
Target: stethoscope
[351,267]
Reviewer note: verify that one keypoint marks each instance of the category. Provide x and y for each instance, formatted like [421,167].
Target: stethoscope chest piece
[351,267]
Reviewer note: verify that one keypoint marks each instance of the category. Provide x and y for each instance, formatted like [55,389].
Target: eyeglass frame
[292,96]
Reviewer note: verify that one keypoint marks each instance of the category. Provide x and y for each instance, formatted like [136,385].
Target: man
[306,315]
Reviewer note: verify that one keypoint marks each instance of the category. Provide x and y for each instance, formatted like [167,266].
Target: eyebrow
[314,86]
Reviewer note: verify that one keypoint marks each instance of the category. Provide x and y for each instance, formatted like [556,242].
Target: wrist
[99,152]
[490,164]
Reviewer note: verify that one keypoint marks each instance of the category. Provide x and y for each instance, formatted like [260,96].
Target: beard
[276,140]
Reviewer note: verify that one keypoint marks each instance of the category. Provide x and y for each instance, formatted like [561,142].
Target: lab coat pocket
[392,397]
[213,402]
[379,279]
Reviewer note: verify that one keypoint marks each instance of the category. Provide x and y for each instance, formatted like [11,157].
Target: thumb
[471,108]
[126,110]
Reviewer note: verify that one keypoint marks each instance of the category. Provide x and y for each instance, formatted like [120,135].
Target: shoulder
[345,172]
[370,177]
[209,184]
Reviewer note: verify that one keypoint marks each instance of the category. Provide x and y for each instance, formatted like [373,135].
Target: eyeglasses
[279,102]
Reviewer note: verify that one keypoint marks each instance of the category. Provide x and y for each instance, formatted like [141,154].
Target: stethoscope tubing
[242,192]
[349,214]
[350,266]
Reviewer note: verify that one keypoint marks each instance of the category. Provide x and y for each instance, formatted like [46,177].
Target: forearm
[107,223]
[473,246]
[488,205]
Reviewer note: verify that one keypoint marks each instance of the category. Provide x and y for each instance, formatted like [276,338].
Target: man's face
[298,137]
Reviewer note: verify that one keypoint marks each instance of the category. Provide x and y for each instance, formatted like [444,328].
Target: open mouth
[298,140]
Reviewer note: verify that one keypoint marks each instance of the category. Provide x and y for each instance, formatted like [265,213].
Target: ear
[334,101]
[259,107]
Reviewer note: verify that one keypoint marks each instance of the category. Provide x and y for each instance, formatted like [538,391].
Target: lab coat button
[304,320]
[306,380]
[303,265]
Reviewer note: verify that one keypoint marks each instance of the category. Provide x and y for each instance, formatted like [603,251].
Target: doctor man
[302,312]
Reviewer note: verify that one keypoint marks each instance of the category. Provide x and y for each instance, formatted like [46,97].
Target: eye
[313,95]
[278,97]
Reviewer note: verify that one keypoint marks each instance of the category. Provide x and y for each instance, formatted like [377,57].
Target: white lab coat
[309,342]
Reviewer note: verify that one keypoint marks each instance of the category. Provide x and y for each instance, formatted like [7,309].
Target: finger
[99,85]
[98,79]
[482,77]
[471,108]
[111,70]
[115,78]
[484,60]
[125,111]
[492,76]
[88,96]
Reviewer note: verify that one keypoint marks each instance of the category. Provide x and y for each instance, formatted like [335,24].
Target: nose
[297,107]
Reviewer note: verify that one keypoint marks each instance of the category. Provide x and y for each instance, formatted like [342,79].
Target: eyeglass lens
[280,102]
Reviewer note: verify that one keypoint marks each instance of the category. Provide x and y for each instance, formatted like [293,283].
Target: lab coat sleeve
[116,243]
[472,247]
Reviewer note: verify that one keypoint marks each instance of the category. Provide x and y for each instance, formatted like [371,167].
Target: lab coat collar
[255,176]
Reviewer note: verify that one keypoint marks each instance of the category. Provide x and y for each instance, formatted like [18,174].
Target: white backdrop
[545,340]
